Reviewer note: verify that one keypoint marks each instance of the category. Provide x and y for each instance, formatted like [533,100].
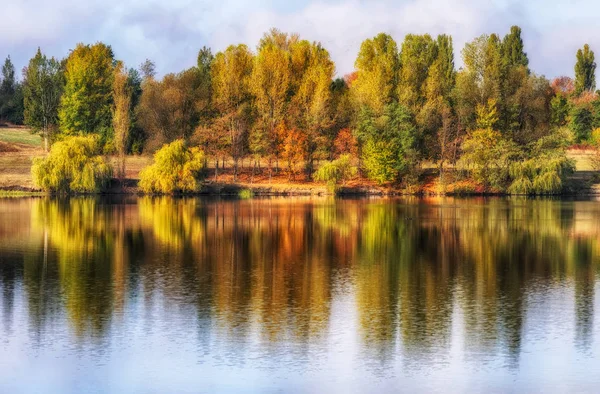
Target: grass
[20,135]
[19,193]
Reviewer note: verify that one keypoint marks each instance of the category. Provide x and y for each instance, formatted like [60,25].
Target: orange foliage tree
[293,148]
[345,143]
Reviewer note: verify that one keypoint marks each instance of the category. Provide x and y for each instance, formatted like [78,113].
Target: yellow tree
[231,75]
[312,101]
[377,66]
[270,84]
[121,120]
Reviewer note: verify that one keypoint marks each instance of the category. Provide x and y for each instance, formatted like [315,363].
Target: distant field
[20,136]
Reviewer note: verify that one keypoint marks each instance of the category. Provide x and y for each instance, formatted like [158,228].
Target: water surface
[157,295]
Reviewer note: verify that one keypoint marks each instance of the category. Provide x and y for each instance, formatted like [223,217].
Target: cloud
[171,32]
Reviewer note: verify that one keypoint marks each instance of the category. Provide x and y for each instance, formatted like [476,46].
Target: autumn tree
[121,115]
[168,109]
[270,84]
[294,145]
[86,103]
[42,89]
[311,102]
[377,67]
[231,75]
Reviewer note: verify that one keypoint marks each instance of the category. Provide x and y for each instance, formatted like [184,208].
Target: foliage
[168,109]
[377,65]
[388,143]
[585,68]
[230,74]
[336,172]
[487,156]
[11,95]
[581,120]
[546,169]
[293,147]
[73,165]
[86,103]
[42,90]
[175,169]
[121,115]
[345,143]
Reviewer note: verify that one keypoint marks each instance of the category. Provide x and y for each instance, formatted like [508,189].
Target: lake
[165,295]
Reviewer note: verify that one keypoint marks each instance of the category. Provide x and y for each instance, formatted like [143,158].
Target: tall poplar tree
[585,70]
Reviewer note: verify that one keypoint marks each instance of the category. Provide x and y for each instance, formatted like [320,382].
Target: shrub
[176,169]
[73,165]
[336,172]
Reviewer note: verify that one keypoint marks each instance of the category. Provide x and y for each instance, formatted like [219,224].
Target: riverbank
[18,148]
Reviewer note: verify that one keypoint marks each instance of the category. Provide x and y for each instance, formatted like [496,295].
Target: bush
[73,165]
[176,169]
[336,172]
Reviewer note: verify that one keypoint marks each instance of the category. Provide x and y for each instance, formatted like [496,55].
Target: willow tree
[42,88]
[231,76]
[86,103]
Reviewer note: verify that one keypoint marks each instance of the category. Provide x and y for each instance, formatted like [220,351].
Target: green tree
[416,57]
[581,121]
[42,89]
[11,95]
[87,100]
[388,143]
[513,50]
[585,70]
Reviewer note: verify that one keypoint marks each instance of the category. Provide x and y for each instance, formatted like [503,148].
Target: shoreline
[265,190]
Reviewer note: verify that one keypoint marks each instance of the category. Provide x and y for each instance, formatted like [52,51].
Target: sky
[170,32]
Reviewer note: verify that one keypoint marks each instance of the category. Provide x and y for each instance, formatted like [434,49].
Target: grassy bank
[18,148]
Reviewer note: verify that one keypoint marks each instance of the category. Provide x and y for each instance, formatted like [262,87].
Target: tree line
[281,104]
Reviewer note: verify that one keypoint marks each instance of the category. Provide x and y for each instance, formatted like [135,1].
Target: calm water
[161,295]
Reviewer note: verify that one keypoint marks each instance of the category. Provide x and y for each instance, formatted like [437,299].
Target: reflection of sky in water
[184,325]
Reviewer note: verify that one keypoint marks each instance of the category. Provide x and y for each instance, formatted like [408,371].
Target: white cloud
[171,32]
